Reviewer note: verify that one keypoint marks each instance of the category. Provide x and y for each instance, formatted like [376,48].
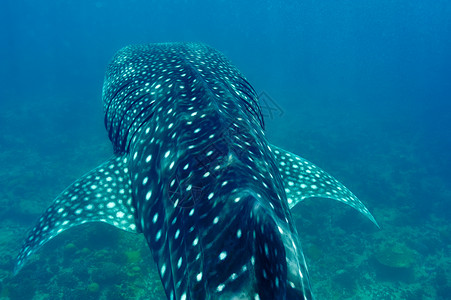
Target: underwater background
[360,88]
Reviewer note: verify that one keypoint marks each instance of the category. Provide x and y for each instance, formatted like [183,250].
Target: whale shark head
[194,173]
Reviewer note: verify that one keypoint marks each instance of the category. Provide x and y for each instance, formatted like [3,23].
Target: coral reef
[395,261]
[395,255]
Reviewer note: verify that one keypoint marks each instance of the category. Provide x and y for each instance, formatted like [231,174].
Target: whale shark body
[193,171]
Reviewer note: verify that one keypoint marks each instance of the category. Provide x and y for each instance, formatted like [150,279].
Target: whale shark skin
[193,172]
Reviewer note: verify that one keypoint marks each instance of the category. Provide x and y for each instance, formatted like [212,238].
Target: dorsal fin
[302,180]
[101,195]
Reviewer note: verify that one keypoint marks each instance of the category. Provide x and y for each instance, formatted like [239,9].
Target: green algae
[93,288]
[396,255]
[133,256]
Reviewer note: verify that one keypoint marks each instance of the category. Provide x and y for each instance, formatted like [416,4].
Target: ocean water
[360,88]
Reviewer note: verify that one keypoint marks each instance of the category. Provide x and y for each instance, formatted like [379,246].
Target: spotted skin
[102,195]
[303,180]
[195,174]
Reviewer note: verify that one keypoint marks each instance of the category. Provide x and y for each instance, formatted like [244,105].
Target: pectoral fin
[302,180]
[102,195]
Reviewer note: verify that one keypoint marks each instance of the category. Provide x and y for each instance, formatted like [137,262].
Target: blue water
[361,88]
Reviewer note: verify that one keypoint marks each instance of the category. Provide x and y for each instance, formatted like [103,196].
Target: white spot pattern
[197,176]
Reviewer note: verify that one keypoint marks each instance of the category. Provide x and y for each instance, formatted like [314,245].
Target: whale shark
[194,173]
